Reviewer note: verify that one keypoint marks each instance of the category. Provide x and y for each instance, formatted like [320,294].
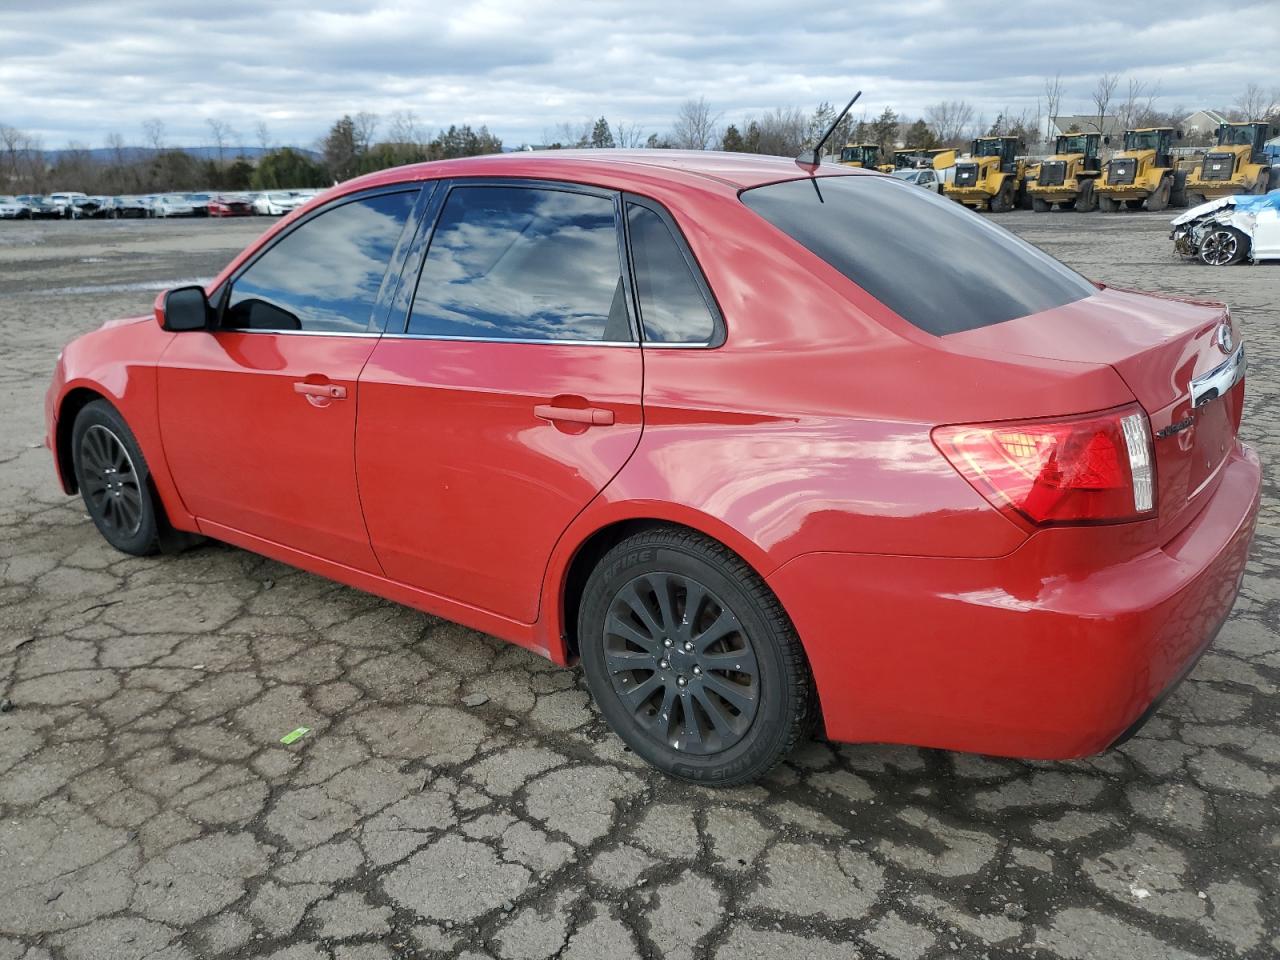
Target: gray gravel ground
[148,809]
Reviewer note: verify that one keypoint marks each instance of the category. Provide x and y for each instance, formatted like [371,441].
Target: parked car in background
[11,208]
[65,201]
[276,203]
[927,178]
[89,207]
[230,205]
[1230,230]
[40,208]
[199,203]
[748,486]
[118,208]
[172,205]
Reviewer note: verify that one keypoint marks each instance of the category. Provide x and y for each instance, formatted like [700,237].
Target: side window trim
[381,310]
[718,334]
[403,306]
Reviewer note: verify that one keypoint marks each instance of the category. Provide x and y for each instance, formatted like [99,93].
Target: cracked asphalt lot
[149,810]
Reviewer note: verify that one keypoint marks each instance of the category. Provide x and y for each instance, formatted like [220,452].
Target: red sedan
[705,423]
[230,207]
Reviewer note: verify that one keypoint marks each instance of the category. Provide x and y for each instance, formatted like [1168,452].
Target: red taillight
[1091,469]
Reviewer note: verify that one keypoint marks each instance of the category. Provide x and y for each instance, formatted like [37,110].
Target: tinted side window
[522,263]
[873,229]
[672,307]
[325,275]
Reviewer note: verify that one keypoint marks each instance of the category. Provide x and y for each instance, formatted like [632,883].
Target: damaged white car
[1230,229]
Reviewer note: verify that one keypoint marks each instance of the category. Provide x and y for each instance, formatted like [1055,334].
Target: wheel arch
[72,402]
[584,544]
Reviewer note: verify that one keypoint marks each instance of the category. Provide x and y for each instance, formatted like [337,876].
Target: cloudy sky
[82,70]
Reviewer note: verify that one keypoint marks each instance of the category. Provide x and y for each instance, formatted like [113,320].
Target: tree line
[353,146]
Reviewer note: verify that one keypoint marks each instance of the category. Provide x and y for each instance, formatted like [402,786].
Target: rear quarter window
[936,264]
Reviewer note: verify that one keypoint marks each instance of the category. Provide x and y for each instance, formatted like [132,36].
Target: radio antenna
[812,159]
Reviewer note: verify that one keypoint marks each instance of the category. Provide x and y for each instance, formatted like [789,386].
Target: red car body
[805,442]
[230,207]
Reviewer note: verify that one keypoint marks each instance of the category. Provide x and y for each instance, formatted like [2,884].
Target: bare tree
[629,135]
[695,126]
[949,120]
[221,131]
[366,127]
[1052,102]
[1102,94]
[262,133]
[1138,105]
[153,130]
[569,134]
[1255,104]
[404,128]
[782,132]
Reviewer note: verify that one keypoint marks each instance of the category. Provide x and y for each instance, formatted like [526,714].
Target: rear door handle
[592,416]
[330,391]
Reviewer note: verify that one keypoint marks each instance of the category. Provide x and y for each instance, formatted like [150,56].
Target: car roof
[617,168]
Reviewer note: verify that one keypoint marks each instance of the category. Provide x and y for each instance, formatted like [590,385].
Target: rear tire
[1108,204]
[1178,198]
[1264,182]
[1160,198]
[1003,200]
[1223,247]
[114,480]
[714,693]
[1087,200]
[1195,199]
[1040,206]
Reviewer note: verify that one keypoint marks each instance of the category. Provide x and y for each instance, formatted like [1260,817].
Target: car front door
[258,415]
[507,398]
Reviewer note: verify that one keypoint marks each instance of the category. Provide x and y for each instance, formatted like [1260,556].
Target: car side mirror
[186,308]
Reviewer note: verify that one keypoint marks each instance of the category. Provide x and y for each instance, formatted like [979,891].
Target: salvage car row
[76,206]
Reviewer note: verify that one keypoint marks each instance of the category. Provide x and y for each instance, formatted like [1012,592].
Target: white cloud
[81,70]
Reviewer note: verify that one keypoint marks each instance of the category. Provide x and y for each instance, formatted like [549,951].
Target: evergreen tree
[601,135]
[920,137]
[732,140]
[341,149]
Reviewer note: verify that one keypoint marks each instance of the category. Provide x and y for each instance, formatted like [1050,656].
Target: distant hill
[107,154]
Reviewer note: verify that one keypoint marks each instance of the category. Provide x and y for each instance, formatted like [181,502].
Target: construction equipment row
[1142,175]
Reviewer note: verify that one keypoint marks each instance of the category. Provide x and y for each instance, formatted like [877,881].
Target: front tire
[1223,247]
[114,480]
[1040,206]
[692,660]
[1107,204]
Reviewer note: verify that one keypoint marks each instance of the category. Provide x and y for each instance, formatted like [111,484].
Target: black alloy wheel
[679,660]
[113,479]
[692,659]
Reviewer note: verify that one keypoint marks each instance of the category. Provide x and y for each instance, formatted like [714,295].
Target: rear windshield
[934,263]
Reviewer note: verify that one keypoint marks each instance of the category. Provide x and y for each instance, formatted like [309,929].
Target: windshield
[988,148]
[1236,137]
[1142,140]
[1072,144]
[857,155]
[909,176]
[874,230]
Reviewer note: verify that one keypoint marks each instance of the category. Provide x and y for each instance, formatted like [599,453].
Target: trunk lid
[1159,347]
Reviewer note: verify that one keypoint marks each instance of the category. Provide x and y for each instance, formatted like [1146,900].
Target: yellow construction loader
[1238,164]
[862,155]
[990,177]
[1067,177]
[1142,173]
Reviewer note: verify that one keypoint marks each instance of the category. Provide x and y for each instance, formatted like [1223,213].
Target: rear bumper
[1007,657]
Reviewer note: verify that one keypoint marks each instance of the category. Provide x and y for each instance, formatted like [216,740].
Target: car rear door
[505,397]
[258,416]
